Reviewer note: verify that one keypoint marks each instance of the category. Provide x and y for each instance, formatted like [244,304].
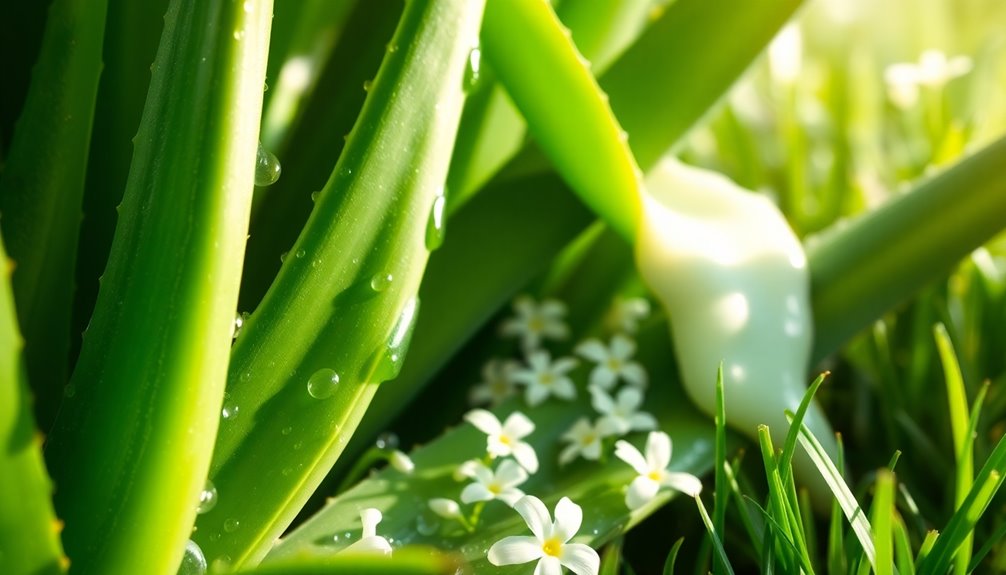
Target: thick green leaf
[862,268]
[338,318]
[29,532]
[132,442]
[42,186]
[578,131]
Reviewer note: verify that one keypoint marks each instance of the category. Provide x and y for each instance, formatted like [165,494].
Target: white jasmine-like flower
[626,314]
[401,462]
[446,508]
[535,322]
[620,416]
[505,439]
[652,470]
[584,440]
[613,362]
[466,470]
[497,383]
[370,541]
[933,70]
[550,544]
[543,378]
[501,484]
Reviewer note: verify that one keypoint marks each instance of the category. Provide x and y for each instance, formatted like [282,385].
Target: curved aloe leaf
[132,442]
[29,532]
[880,259]
[403,499]
[132,32]
[678,36]
[338,318]
[41,187]
[578,131]
[403,562]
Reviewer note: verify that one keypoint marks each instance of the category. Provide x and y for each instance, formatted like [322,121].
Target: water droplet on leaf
[231,525]
[387,441]
[472,68]
[381,281]
[207,498]
[193,561]
[323,383]
[267,168]
[435,225]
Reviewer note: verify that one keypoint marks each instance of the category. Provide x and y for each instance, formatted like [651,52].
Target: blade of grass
[719,552]
[29,532]
[957,405]
[721,495]
[403,562]
[133,439]
[789,447]
[611,560]
[672,557]
[338,319]
[843,495]
[987,546]
[578,132]
[904,559]
[883,529]
[42,186]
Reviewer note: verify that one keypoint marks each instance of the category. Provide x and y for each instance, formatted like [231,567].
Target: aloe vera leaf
[601,31]
[578,131]
[29,532]
[132,441]
[21,27]
[409,561]
[41,187]
[280,211]
[684,26]
[313,35]
[896,249]
[403,499]
[337,320]
[132,31]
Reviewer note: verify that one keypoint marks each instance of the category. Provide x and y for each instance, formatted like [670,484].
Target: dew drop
[230,410]
[381,281]
[435,225]
[267,168]
[239,322]
[287,471]
[207,498]
[231,525]
[193,561]
[392,47]
[314,196]
[300,253]
[386,363]
[282,256]
[472,69]
[367,85]
[287,430]
[239,35]
[387,441]
[322,384]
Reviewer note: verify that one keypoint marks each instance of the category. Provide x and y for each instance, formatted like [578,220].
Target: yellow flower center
[588,439]
[656,475]
[499,387]
[505,439]
[536,324]
[494,488]
[546,379]
[614,364]
[552,547]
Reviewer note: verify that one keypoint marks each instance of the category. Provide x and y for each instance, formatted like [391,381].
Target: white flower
[613,362]
[446,508]
[505,439]
[544,378]
[652,470]
[626,314]
[550,544]
[466,470]
[370,541]
[584,439]
[501,484]
[622,415]
[535,322]
[933,70]
[497,383]
[401,462]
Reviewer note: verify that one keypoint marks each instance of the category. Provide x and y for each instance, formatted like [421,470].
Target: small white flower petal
[446,508]
[658,450]
[552,309]
[629,399]
[569,453]
[563,365]
[484,421]
[564,389]
[515,550]
[539,361]
[601,401]
[518,426]
[401,462]
[622,347]
[640,492]
[568,517]
[628,453]
[476,492]
[607,426]
[593,350]
[526,457]
[536,516]
[580,559]
[510,496]
[535,395]
[592,451]
[467,469]
[642,422]
[603,377]
[510,473]
[555,330]
[683,482]
[634,374]
[578,430]
[548,565]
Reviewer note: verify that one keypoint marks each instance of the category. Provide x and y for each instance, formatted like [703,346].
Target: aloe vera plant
[533,196]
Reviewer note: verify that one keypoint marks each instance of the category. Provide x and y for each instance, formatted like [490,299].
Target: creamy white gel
[733,278]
